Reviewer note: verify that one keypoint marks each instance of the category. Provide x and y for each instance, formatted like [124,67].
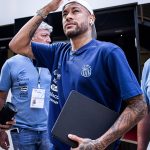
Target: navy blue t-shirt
[98,70]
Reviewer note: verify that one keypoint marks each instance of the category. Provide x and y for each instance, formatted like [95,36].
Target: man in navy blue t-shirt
[94,68]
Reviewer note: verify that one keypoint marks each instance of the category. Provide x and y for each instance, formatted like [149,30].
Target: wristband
[40,13]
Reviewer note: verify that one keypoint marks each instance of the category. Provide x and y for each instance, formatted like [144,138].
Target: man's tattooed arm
[133,113]
[21,42]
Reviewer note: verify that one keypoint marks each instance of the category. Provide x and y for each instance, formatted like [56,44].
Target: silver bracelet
[40,13]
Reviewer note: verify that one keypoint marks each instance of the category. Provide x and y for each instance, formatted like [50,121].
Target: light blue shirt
[145,82]
[21,76]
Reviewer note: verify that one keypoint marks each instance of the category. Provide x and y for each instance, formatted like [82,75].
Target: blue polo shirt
[98,70]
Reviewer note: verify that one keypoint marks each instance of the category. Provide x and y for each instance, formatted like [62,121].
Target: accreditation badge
[37,98]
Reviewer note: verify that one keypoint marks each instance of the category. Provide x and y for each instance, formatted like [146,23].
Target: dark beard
[73,33]
[77,31]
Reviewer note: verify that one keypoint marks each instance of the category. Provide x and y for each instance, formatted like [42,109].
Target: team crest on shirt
[86,71]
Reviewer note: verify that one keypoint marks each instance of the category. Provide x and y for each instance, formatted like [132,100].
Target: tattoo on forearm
[137,107]
[132,114]
[99,145]
[34,28]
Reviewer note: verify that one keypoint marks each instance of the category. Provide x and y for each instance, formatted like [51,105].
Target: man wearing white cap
[94,68]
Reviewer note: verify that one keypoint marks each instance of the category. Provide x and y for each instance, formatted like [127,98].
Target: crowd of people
[97,69]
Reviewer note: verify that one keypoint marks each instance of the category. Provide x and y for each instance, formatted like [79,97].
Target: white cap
[81,2]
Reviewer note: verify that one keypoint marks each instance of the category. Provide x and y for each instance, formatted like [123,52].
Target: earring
[91,22]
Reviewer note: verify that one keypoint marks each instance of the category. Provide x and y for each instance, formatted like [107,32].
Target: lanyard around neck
[38,71]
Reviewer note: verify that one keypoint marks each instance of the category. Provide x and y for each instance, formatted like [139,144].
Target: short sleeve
[5,77]
[122,75]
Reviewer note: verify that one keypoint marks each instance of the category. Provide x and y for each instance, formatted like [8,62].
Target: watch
[40,13]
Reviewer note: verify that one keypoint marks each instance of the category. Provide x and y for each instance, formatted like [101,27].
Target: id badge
[37,98]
